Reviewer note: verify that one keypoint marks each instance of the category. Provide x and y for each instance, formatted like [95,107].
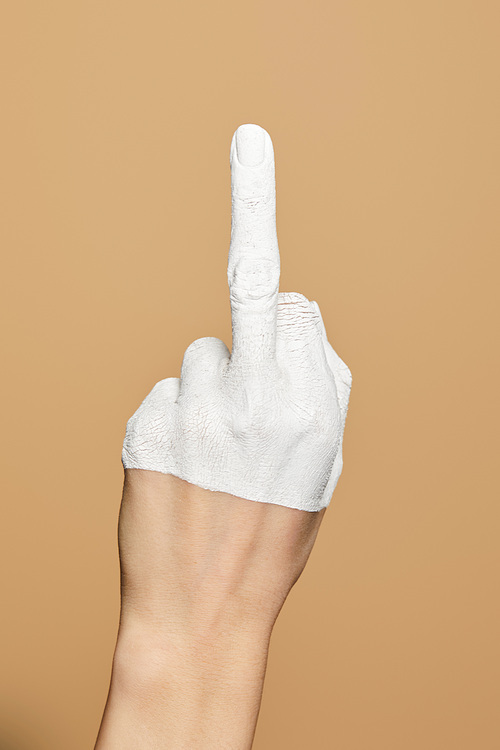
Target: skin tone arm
[200,594]
[205,572]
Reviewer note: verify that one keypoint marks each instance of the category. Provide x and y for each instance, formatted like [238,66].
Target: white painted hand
[266,421]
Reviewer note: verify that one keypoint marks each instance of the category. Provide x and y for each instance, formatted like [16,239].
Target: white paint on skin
[266,421]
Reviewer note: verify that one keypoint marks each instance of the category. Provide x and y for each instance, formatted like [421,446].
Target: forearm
[228,472]
[203,691]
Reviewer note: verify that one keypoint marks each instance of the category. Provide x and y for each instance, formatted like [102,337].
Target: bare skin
[204,577]
[205,573]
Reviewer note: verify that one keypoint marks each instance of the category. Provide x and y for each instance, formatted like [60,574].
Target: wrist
[148,655]
[184,692]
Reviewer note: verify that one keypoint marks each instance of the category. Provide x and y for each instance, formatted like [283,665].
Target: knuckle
[254,279]
[193,352]
[203,359]
[296,315]
[206,345]
[294,299]
[196,346]
[252,200]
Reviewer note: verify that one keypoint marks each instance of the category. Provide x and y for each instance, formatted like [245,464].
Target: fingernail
[250,145]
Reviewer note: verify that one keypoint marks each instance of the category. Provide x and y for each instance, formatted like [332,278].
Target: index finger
[253,262]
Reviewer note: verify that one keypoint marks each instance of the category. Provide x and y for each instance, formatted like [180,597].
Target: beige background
[117,119]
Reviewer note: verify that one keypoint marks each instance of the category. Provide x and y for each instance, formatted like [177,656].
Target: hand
[222,469]
[265,422]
